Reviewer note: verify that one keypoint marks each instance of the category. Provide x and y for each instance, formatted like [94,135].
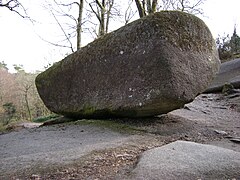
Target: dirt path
[96,149]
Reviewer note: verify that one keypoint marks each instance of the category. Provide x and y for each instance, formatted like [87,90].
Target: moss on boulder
[151,66]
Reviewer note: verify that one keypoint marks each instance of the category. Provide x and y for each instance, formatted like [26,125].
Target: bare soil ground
[113,147]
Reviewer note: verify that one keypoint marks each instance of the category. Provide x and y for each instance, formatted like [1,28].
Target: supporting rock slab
[187,160]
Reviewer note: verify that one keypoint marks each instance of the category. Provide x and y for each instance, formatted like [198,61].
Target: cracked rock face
[151,66]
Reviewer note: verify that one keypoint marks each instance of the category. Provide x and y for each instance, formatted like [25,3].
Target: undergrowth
[45,118]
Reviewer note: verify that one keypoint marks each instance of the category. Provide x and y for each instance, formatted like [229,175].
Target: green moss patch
[45,118]
[113,125]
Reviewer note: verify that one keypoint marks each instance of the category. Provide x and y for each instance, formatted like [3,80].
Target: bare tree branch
[150,6]
[55,44]
[71,47]
[99,4]
[129,14]
[70,30]
[70,4]
[15,6]
[97,14]
[192,7]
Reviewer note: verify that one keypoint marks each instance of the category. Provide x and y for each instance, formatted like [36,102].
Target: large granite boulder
[151,66]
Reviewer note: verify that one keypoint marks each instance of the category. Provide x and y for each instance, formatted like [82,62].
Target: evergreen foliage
[229,47]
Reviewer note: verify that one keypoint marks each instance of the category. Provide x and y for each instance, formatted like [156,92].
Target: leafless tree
[75,18]
[146,7]
[27,88]
[73,27]
[60,10]
[103,11]
[78,21]
[129,12]
[190,6]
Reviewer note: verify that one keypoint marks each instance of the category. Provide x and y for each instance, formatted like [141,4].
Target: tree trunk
[102,23]
[146,7]
[79,25]
[154,6]
[149,7]
[108,14]
[140,8]
[27,104]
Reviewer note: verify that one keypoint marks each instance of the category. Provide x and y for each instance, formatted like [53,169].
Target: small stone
[36,177]
[235,140]
[220,132]
[187,108]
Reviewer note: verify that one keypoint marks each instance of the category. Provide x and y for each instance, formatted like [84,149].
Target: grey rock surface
[52,146]
[229,73]
[151,66]
[187,160]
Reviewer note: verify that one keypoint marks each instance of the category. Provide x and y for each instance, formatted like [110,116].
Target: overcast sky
[20,42]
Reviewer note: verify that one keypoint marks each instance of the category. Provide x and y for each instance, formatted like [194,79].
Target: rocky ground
[97,149]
